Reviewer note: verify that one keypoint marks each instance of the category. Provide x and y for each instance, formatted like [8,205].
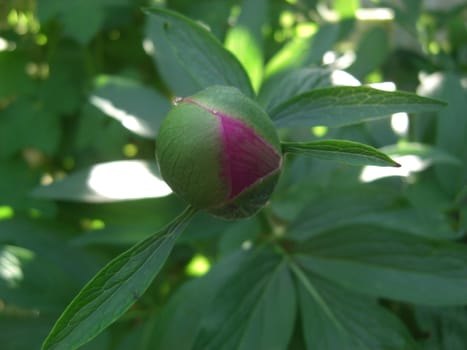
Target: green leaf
[451,127]
[390,264]
[349,152]
[335,318]
[344,105]
[108,182]
[200,54]
[372,50]
[281,87]
[255,309]
[115,288]
[140,109]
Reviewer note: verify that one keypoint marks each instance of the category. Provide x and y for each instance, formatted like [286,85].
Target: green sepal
[191,165]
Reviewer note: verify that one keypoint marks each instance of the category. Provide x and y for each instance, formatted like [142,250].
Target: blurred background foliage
[85,84]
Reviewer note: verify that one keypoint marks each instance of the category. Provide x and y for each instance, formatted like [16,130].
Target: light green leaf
[255,309]
[108,182]
[304,50]
[349,152]
[114,288]
[372,51]
[140,109]
[390,264]
[344,105]
[200,54]
[335,318]
[245,38]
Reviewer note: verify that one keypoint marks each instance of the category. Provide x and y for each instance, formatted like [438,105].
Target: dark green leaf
[114,288]
[108,182]
[334,318]
[255,309]
[24,124]
[173,74]
[349,152]
[344,105]
[200,54]
[178,323]
[140,109]
[444,327]
[367,205]
[14,80]
[390,264]
[73,14]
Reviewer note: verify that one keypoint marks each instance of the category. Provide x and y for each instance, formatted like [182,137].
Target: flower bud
[219,151]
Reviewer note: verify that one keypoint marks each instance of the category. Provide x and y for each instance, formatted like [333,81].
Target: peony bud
[220,152]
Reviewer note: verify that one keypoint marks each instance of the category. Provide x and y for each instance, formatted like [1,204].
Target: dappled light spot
[340,77]
[319,131]
[3,44]
[430,83]
[409,164]
[126,180]
[6,212]
[400,123]
[375,14]
[10,266]
[198,266]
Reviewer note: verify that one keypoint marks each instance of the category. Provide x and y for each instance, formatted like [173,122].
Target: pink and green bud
[219,151]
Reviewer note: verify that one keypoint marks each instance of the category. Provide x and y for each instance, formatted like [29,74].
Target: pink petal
[247,156]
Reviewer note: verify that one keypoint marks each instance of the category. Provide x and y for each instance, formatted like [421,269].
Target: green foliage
[343,257]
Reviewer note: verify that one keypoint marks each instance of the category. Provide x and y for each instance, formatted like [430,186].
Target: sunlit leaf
[140,109]
[114,288]
[108,182]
